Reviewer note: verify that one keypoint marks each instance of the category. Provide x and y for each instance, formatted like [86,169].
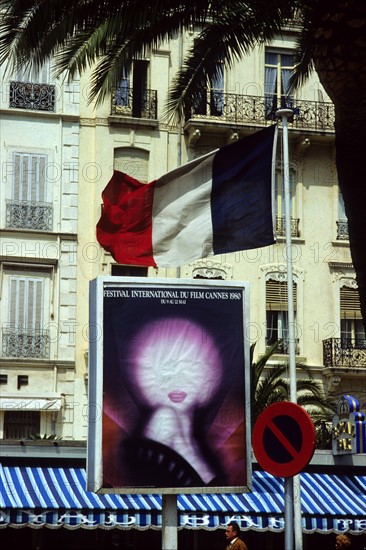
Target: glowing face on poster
[174,363]
[175,367]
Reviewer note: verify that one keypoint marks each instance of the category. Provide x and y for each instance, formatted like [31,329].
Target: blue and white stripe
[35,496]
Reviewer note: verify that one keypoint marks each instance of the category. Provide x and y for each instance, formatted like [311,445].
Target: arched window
[133,162]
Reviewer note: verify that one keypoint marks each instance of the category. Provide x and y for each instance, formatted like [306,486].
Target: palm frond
[304,64]
[257,368]
[270,384]
[32,31]
[81,33]
[114,45]
[225,41]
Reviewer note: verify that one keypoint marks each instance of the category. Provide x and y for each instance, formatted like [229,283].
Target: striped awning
[56,497]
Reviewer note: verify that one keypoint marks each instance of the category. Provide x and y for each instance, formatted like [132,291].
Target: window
[118,270]
[132,96]
[277,313]
[28,208]
[342,223]
[216,276]
[352,331]
[341,207]
[212,95]
[217,91]
[21,424]
[123,90]
[39,75]
[24,332]
[280,205]
[278,69]
[31,90]
[132,161]
[139,85]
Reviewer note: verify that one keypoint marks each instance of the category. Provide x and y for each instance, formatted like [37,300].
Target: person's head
[342,542]
[174,362]
[232,531]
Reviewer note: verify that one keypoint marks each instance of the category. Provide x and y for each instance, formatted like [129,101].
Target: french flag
[216,204]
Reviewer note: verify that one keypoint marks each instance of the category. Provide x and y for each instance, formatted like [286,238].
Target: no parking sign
[284,439]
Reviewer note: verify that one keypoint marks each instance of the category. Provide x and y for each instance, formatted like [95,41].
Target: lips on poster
[173,387]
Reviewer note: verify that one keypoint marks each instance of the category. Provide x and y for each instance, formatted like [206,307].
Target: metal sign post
[169,523]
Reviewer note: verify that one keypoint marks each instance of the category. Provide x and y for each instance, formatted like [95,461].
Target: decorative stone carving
[209,269]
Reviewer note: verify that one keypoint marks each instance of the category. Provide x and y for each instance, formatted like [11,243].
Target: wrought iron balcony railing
[128,102]
[29,215]
[235,108]
[31,344]
[342,230]
[32,96]
[281,227]
[344,353]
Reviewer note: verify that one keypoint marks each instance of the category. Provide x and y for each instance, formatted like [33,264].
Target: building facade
[58,152]
[40,140]
[129,133]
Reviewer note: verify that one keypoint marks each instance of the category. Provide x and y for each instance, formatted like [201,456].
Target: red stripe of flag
[125,227]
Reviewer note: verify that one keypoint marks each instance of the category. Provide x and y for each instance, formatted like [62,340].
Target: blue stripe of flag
[241,197]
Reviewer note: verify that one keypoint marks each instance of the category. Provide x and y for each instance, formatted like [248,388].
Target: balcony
[126,102]
[31,96]
[27,344]
[340,353]
[281,227]
[234,109]
[37,216]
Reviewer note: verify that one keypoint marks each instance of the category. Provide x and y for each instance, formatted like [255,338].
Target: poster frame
[94,463]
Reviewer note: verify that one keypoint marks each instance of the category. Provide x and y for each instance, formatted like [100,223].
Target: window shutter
[26,303]
[350,303]
[17,178]
[29,181]
[37,178]
[35,294]
[16,302]
[277,295]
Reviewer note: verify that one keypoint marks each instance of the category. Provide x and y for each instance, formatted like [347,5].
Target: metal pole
[294,497]
[289,514]
[284,113]
[297,513]
[169,523]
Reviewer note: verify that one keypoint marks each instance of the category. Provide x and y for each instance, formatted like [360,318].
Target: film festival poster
[174,412]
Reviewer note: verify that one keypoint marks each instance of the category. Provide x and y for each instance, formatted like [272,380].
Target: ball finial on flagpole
[284,113]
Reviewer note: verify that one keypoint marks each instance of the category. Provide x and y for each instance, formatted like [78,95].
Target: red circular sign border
[293,410]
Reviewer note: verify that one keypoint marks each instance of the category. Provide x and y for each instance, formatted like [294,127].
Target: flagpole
[169,526]
[169,510]
[293,524]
